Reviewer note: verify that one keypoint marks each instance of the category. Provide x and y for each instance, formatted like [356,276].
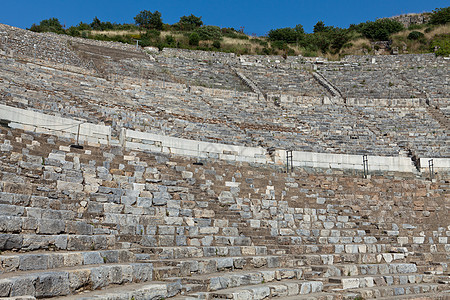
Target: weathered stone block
[52,284]
[51,226]
[23,286]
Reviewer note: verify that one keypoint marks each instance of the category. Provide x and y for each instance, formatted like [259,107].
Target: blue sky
[256,16]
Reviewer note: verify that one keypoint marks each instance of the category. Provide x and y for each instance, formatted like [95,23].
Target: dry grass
[113,33]
[443,29]
[400,39]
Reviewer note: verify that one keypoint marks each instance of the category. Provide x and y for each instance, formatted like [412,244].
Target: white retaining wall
[170,145]
[136,140]
[42,123]
[439,164]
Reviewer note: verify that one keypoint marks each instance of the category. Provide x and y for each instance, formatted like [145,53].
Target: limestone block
[268,276]
[92,258]
[69,186]
[218,283]
[230,231]
[293,289]
[186,174]
[33,262]
[351,248]
[223,263]
[242,295]
[9,263]
[260,292]
[72,259]
[10,224]
[204,213]
[387,257]
[52,284]
[255,223]
[50,226]
[402,240]
[418,240]
[78,278]
[239,262]
[406,268]
[350,283]
[226,197]
[305,288]
[24,286]
[316,286]
[5,287]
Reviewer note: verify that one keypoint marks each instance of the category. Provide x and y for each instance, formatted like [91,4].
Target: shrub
[440,16]
[211,33]
[49,25]
[415,35]
[282,45]
[381,29]
[216,44]
[194,39]
[442,43]
[170,40]
[73,31]
[287,35]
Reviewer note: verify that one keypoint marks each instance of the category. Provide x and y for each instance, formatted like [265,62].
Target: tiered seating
[388,79]
[153,224]
[104,222]
[290,81]
[177,112]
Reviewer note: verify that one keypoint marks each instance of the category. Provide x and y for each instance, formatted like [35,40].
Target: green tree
[83,26]
[339,37]
[316,41]
[189,23]
[96,24]
[48,25]
[73,31]
[149,20]
[440,16]
[319,27]
[288,35]
[209,33]
[381,29]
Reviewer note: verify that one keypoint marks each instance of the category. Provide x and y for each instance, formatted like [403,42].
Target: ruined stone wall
[412,19]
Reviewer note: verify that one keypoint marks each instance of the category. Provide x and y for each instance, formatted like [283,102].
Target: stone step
[40,225]
[161,273]
[388,292]
[364,269]
[31,242]
[48,260]
[358,258]
[144,291]
[338,248]
[269,290]
[208,265]
[316,296]
[222,280]
[65,281]
[183,252]
[361,281]
[444,295]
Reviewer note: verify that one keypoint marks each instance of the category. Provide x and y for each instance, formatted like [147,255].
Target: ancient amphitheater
[196,175]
